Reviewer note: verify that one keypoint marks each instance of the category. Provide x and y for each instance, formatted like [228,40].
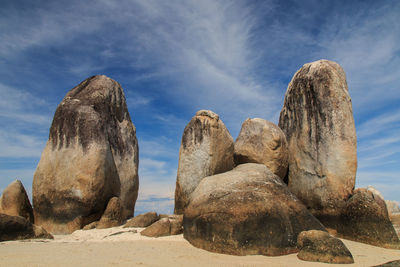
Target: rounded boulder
[261,141]
[245,211]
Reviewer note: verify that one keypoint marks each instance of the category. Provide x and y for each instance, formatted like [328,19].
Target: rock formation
[176,224]
[169,225]
[15,202]
[17,228]
[319,246]
[90,157]
[261,141]
[91,225]
[142,220]
[206,149]
[365,219]
[160,228]
[112,216]
[248,210]
[317,119]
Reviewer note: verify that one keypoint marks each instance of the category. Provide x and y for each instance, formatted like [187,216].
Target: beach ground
[122,247]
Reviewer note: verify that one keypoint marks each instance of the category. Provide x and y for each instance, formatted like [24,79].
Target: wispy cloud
[366,45]
[203,47]
[15,144]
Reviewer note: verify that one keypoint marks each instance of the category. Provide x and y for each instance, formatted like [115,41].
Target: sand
[123,247]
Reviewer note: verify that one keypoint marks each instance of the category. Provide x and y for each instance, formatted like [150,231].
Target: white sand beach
[122,247]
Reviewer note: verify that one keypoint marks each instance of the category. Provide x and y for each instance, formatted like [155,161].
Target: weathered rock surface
[17,227]
[206,149]
[90,226]
[143,220]
[261,141]
[15,202]
[40,232]
[112,216]
[91,156]
[365,219]
[319,246]
[169,225]
[248,210]
[317,119]
[160,228]
[176,224]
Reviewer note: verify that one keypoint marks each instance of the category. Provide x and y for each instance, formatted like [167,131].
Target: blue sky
[175,57]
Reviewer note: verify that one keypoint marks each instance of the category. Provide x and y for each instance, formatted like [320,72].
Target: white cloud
[204,46]
[380,124]
[366,45]
[17,145]
[19,118]
[18,105]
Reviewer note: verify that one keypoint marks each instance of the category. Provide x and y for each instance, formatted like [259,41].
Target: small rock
[40,232]
[15,201]
[143,220]
[112,216]
[176,224]
[90,226]
[319,246]
[365,219]
[17,228]
[160,228]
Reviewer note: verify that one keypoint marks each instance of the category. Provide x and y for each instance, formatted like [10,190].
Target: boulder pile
[290,178]
[277,189]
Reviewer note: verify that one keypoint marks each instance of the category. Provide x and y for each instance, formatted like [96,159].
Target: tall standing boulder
[246,211]
[90,157]
[15,202]
[261,141]
[317,119]
[206,149]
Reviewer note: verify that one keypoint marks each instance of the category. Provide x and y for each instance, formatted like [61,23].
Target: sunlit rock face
[246,211]
[206,149]
[90,157]
[317,119]
[261,141]
[15,202]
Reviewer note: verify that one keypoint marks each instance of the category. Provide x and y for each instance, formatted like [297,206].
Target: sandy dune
[122,247]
